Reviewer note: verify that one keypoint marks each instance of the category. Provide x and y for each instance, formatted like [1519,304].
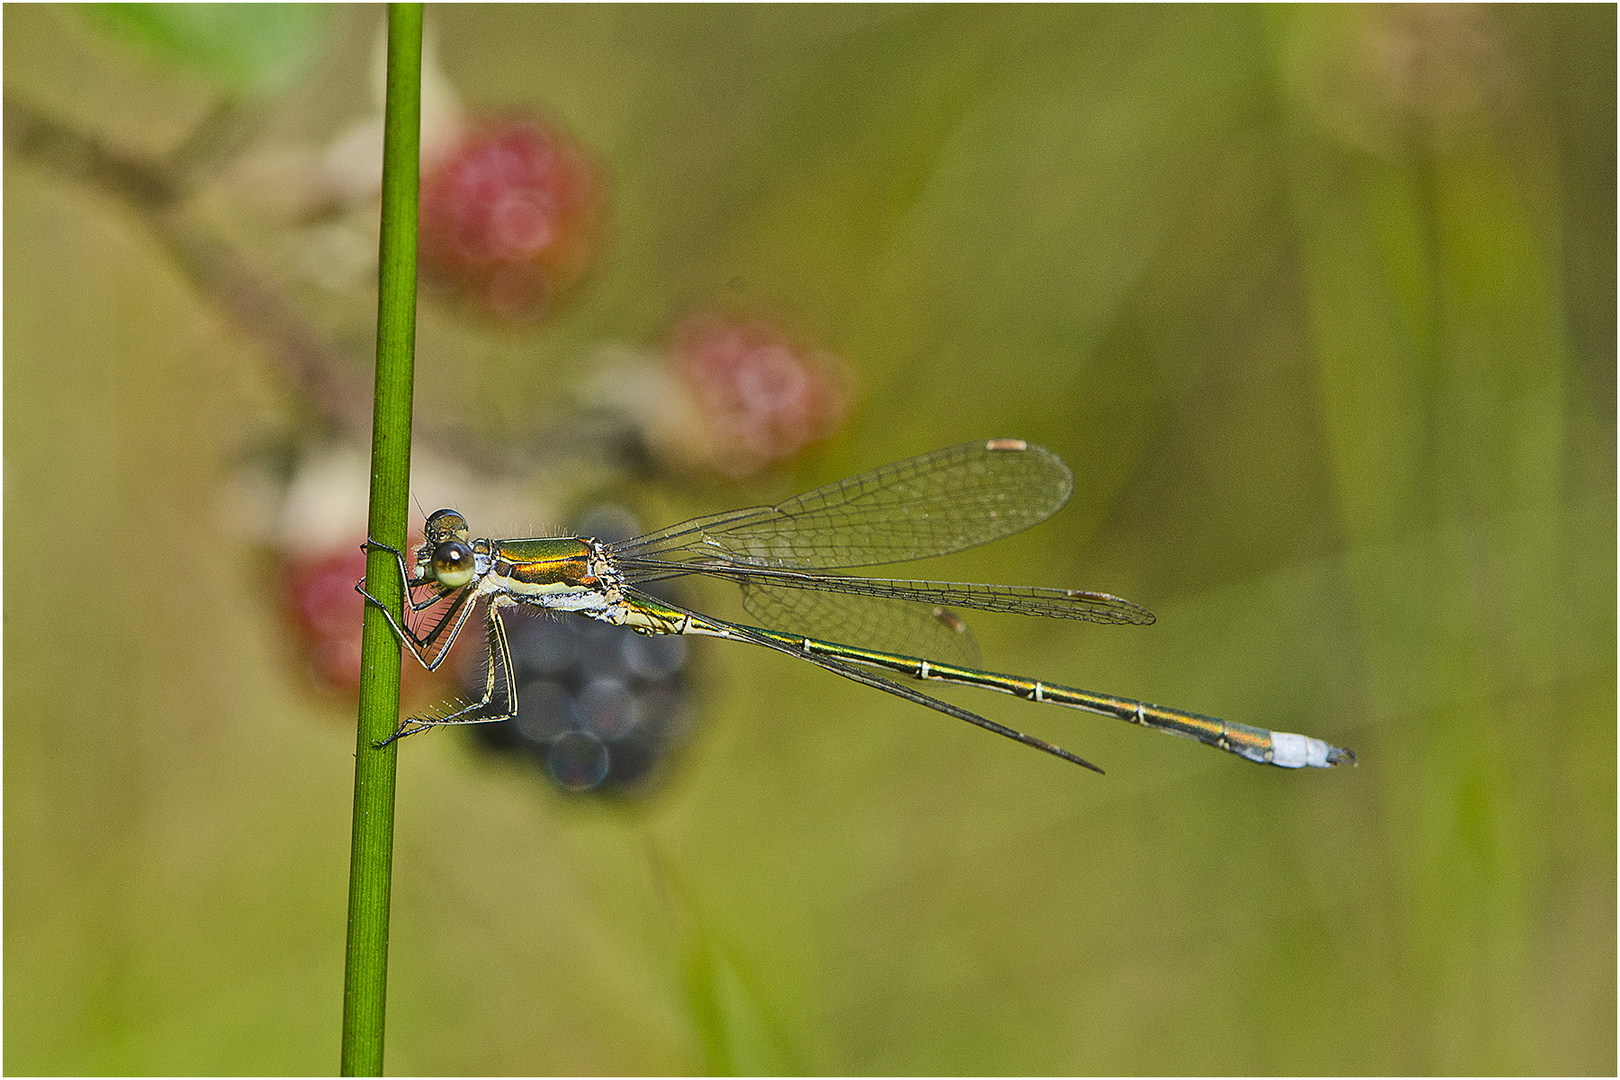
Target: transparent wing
[935,504]
[920,630]
[1051,603]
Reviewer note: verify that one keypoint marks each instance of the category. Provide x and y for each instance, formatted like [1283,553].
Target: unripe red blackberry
[509,217]
[762,398]
[317,594]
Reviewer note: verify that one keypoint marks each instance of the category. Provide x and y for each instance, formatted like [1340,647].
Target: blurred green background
[1319,304]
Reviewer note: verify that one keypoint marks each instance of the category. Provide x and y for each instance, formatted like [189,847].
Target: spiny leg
[427,649]
[404,577]
[500,688]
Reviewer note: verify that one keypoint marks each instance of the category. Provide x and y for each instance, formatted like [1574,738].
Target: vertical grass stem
[371,857]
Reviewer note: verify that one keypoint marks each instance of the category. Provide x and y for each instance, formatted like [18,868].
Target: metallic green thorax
[544,564]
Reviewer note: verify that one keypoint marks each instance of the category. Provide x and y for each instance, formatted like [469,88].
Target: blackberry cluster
[598,705]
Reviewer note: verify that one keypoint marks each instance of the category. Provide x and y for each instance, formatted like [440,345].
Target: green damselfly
[935,504]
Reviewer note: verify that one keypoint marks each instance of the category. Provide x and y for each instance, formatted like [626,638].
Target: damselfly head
[445,525]
[445,556]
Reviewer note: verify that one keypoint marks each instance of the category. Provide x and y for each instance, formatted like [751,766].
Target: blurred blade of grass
[738,1037]
[1427,204]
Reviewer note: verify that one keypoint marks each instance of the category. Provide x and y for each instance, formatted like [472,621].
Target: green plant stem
[371,857]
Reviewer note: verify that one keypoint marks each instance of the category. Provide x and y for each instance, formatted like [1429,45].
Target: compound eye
[445,525]
[453,564]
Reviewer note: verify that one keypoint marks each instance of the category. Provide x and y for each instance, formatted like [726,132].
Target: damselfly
[935,504]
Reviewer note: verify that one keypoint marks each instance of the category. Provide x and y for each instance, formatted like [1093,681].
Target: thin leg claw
[406,727]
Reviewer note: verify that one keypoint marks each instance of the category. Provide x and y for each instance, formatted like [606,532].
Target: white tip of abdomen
[1297,751]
